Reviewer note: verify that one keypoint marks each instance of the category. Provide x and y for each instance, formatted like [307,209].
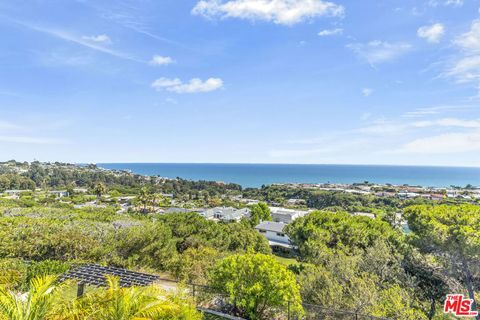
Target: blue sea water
[255,175]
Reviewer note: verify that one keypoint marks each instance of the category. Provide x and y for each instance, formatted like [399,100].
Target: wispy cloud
[79,40]
[285,12]
[454,3]
[444,144]
[193,86]
[375,52]
[451,3]
[101,38]
[330,32]
[382,126]
[367,92]
[129,17]
[448,122]
[429,111]
[465,68]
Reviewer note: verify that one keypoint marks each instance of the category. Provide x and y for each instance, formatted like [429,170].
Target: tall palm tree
[36,304]
[144,197]
[99,189]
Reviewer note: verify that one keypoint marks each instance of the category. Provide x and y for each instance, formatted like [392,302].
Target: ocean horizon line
[256,175]
[283,164]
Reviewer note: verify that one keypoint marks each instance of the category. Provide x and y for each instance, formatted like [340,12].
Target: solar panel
[95,275]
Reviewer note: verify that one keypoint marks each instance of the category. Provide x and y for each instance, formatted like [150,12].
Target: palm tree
[100,189]
[36,304]
[134,303]
[144,198]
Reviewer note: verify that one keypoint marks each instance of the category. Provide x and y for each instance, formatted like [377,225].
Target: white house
[59,193]
[15,192]
[286,215]
[364,214]
[273,231]
[226,214]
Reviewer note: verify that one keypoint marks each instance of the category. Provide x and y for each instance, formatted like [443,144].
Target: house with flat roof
[59,193]
[273,231]
[286,215]
[15,192]
[226,214]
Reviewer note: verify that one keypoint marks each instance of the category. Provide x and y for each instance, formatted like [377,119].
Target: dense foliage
[48,300]
[451,236]
[255,283]
[367,265]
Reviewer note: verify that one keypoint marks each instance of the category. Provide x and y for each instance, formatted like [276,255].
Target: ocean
[256,175]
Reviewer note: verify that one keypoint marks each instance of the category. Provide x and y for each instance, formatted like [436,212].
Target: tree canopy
[257,285]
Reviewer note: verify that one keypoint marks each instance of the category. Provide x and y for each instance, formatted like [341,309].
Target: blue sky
[269,81]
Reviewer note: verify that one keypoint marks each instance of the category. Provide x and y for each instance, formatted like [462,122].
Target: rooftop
[271,226]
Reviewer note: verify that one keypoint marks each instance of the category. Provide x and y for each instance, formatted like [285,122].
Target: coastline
[256,175]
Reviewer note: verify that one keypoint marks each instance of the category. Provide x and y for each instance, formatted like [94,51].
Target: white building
[286,215]
[226,214]
[273,231]
[15,192]
[59,193]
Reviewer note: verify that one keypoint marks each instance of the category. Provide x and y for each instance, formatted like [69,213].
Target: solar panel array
[95,275]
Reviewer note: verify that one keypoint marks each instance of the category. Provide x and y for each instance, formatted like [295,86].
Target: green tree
[260,212]
[452,235]
[194,264]
[322,232]
[257,285]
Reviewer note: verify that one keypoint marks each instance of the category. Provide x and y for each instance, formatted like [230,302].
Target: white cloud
[470,41]
[421,112]
[367,92]
[375,52]
[330,32]
[466,67]
[286,12]
[158,60]
[432,33]
[448,122]
[454,3]
[101,38]
[64,35]
[193,86]
[382,126]
[444,143]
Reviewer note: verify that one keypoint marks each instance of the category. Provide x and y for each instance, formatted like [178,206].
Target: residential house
[226,214]
[15,192]
[59,193]
[273,231]
[364,214]
[286,215]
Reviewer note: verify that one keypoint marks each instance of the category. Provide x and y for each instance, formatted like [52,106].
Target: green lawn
[286,261]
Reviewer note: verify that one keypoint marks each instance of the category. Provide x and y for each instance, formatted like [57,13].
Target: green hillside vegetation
[341,261]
